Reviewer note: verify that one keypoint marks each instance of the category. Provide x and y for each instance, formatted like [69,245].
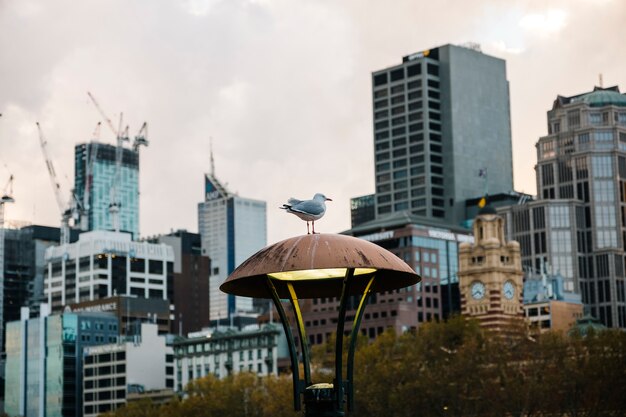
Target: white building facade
[110,372]
[232,229]
[103,264]
[222,353]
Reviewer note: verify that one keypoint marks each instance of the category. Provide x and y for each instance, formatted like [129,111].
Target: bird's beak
[329,199]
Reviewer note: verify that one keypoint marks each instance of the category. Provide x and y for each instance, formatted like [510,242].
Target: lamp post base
[319,401]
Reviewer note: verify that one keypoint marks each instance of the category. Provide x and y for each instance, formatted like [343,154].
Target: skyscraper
[94,186]
[577,227]
[232,229]
[441,132]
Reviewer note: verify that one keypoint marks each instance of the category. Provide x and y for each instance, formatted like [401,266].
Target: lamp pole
[314,266]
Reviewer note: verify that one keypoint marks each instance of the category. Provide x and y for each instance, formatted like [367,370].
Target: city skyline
[283,90]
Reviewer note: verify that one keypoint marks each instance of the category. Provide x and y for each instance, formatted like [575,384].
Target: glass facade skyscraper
[94,168]
[232,228]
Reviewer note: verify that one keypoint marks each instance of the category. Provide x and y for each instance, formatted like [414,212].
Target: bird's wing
[309,207]
[293,201]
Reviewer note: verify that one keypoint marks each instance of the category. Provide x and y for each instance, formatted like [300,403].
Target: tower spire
[212,161]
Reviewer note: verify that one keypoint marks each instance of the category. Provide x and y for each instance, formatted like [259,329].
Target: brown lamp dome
[316,265]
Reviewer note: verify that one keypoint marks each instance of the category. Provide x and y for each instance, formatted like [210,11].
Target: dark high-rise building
[442,132]
[577,227]
[191,282]
[24,268]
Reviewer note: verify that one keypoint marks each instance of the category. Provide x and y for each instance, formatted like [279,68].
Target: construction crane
[114,205]
[7,197]
[66,212]
[121,136]
[116,132]
[96,132]
[141,138]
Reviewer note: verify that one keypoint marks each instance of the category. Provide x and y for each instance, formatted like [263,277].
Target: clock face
[477,289]
[509,290]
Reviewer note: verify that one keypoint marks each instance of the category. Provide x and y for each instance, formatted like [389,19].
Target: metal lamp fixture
[314,266]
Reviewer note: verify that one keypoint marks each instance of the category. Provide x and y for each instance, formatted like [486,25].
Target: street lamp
[314,266]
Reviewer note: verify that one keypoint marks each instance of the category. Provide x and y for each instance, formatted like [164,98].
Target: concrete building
[137,363]
[94,175]
[430,248]
[45,359]
[232,229]
[578,224]
[103,264]
[547,306]
[438,117]
[191,281]
[224,352]
[490,274]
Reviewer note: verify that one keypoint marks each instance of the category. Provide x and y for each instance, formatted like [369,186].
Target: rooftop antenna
[212,161]
[600,79]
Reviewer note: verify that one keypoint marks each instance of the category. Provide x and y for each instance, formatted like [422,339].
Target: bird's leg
[313,224]
[307,228]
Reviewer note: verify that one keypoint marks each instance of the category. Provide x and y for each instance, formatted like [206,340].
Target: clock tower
[490,274]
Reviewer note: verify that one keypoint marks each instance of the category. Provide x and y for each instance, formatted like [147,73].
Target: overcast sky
[282,87]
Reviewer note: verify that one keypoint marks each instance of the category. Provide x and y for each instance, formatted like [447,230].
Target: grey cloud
[282,87]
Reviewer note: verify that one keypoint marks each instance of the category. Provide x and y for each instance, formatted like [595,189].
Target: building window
[603,139]
[413,70]
[380,79]
[381,114]
[380,93]
[595,119]
[602,166]
[573,119]
[397,74]
[380,104]
[547,149]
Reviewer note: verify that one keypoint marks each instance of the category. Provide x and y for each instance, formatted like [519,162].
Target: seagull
[308,210]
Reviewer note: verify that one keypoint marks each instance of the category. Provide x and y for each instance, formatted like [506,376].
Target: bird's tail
[285,207]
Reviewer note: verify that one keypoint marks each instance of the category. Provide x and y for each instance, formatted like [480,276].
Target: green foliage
[443,369]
